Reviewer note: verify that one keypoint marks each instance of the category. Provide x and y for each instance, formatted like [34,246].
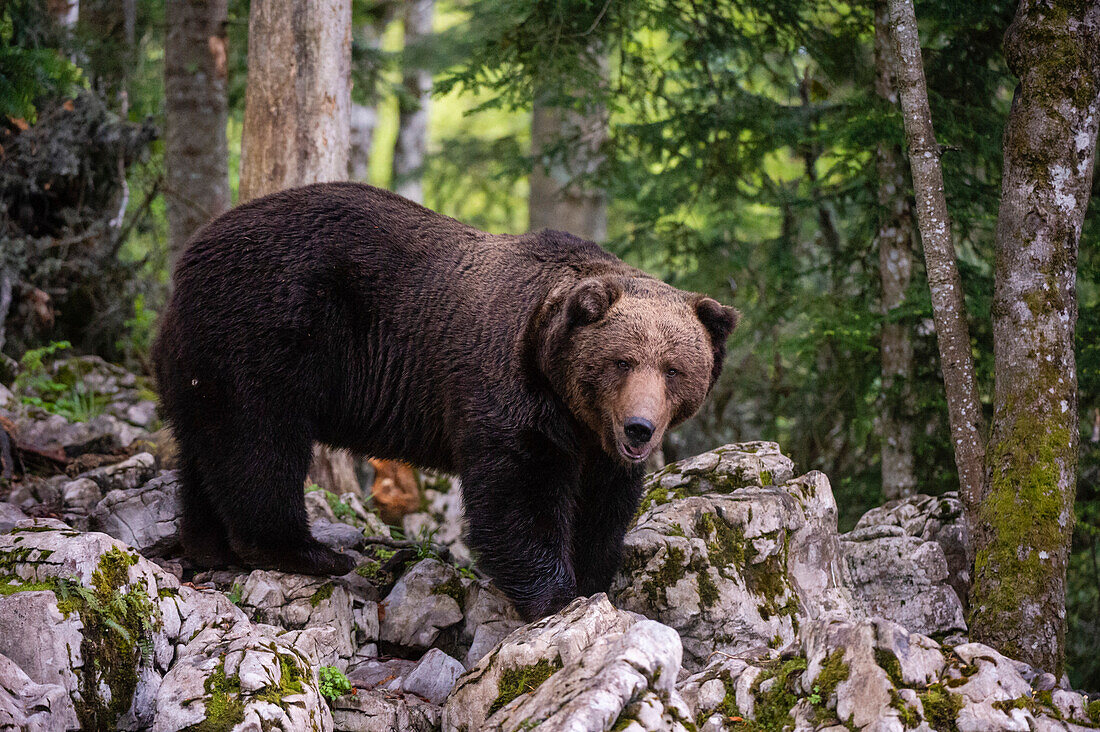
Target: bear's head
[630,356]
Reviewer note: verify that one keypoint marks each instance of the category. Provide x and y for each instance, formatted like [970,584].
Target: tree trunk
[894,239]
[557,200]
[1026,515]
[948,308]
[298,96]
[296,125]
[196,153]
[412,128]
[364,117]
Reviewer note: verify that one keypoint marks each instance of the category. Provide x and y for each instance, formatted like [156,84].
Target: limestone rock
[931,518]
[146,517]
[295,602]
[433,677]
[26,705]
[733,553]
[588,667]
[902,578]
[10,515]
[427,599]
[372,711]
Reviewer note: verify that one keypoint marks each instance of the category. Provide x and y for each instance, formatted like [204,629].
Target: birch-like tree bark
[1022,542]
[296,125]
[415,101]
[196,108]
[894,239]
[364,117]
[298,95]
[948,307]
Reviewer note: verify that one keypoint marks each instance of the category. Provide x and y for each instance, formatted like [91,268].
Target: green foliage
[333,683]
[37,388]
[29,68]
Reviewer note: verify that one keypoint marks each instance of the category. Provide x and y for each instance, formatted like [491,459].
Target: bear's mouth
[635,454]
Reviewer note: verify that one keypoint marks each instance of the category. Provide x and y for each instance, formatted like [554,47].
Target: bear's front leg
[606,502]
[518,515]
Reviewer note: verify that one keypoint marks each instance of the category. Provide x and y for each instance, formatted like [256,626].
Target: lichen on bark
[1025,515]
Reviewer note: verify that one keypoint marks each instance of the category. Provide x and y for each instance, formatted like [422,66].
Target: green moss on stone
[515,682]
[773,707]
[941,707]
[672,570]
[453,589]
[832,673]
[708,591]
[1093,711]
[909,716]
[323,593]
[223,704]
[289,684]
[889,663]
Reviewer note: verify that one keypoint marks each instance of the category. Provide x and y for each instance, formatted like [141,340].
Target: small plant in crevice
[332,683]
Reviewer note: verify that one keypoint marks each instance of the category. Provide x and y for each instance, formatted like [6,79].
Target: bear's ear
[719,321]
[591,299]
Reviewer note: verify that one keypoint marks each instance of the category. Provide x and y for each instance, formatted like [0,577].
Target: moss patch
[672,570]
[515,682]
[323,593]
[708,591]
[453,589]
[224,707]
[116,637]
[290,680]
[773,707]
[889,663]
[941,707]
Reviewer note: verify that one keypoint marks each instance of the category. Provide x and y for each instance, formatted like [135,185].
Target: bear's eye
[671,372]
[622,365]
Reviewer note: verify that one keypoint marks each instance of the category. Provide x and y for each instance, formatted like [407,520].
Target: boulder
[427,599]
[26,705]
[902,578]
[146,517]
[433,677]
[589,667]
[733,552]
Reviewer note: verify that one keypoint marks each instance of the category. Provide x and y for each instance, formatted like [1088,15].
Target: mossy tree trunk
[413,104]
[1026,514]
[895,257]
[296,122]
[196,108]
[948,307]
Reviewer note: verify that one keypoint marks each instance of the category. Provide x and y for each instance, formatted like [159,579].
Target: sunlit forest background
[738,159]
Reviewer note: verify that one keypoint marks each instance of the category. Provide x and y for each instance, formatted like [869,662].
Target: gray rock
[10,515]
[146,517]
[420,605]
[597,665]
[375,711]
[81,494]
[932,518]
[902,578]
[295,602]
[733,553]
[490,617]
[26,705]
[433,677]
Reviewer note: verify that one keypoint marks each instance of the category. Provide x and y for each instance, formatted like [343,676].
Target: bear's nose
[638,430]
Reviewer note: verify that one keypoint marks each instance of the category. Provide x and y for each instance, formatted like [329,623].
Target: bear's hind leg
[202,533]
[259,494]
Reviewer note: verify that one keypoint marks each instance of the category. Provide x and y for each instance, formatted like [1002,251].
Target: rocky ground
[738,607]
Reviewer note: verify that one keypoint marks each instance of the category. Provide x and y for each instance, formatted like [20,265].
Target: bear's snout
[638,430]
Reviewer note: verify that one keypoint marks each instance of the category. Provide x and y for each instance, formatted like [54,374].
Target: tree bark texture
[298,97]
[196,109]
[296,125]
[1026,514]
[414,107]
[948,306]
[894,239]
[557,200]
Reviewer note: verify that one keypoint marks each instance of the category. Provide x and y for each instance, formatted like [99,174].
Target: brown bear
[539,368]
